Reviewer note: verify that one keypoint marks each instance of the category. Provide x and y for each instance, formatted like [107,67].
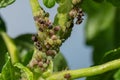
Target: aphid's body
[67,76]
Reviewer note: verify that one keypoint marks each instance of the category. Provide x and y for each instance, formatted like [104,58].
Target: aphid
[40,48]
[40,64]
[80,11]
[41,29]
[38,45]
[54,37]
[73,13]
[48,46]
[51,32]
[41,21]
[67,76]
[48,62]
[50,27]
[36,18]
[48,23]
[78,21]
[33,63]
[46,14]
[50,53]
[57,28]
[34,38]
[79,17]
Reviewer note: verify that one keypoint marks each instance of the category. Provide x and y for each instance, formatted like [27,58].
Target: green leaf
[102,32]
[49,3]
[3,48]
[91,7]
[8,70]
[2,25]
[111,55]
[99,28]
[25,47]
[4,3]
[26,71]
[59,58]
[117,75]
[24,41]
[115,2]
[98,1]
[12,49]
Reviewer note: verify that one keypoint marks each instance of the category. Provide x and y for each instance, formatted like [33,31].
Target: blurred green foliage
[102,32]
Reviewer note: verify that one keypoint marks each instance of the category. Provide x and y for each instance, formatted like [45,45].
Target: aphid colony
[48,40]
[77,13]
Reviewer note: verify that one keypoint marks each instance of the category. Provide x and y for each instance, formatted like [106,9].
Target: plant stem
[87,71]
[11,47]
[35,7]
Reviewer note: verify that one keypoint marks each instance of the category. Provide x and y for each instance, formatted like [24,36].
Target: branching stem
[88,71]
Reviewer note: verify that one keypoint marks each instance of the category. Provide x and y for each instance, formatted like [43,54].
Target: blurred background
[19,20]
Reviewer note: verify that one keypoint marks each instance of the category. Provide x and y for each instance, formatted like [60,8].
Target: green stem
[35,7]
[11,47]
[87,71]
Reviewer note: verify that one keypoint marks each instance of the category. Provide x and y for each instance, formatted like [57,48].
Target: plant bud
[45,65]
[58,41]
